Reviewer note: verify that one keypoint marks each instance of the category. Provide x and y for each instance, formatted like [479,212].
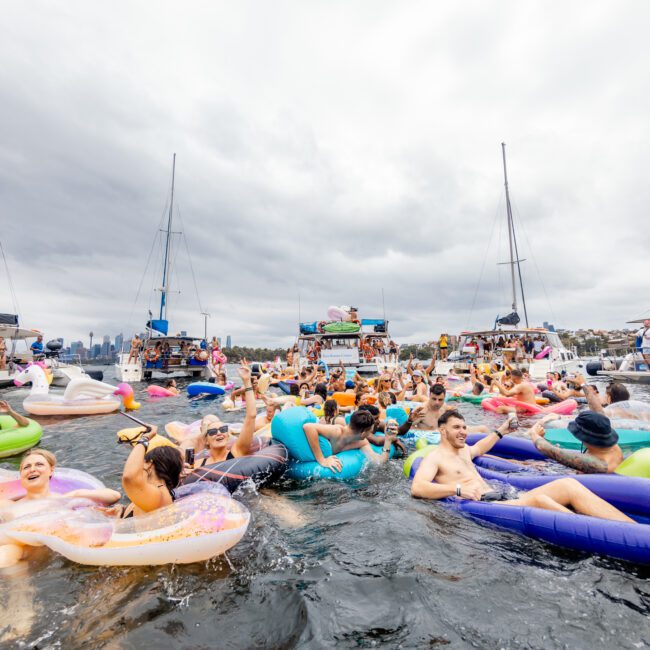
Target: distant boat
[633,368]
[556,357]
[162,353]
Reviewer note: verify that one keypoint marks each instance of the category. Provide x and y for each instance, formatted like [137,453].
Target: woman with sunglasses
[216,434]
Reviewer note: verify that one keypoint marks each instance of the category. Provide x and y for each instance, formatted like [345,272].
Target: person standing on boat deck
[528,348]
[37,347]
[537,345]
[449,471]
[136,344]
[644,334]
[3,353]
[443,346]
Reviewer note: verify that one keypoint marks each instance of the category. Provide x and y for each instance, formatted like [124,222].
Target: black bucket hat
[593,429]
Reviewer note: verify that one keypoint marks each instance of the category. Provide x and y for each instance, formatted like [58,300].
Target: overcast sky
[327,150]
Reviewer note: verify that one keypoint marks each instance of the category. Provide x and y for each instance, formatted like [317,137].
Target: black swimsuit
[228,457]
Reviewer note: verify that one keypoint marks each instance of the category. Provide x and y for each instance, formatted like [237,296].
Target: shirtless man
[595,432]
[350,436]
[449,471]
[521,389]
[136,344]
[427,417]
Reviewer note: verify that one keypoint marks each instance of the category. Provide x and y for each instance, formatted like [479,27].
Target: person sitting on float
[602,454]
[319,397]
[216,434]
[21,420]
[264,419]
[36,470]
[420,387]
[170,385]
[381,427]
[349,436]
[240,393]
[449,471]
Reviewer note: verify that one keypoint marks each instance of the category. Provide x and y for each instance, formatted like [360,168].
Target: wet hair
[330,410]
[48,455]
[170,383]
[480,387]
[516,373]
[168,465]
[438,389]
[447,415]
[321,389]
[294,390]
[371,408]
[361,421]
[617,392]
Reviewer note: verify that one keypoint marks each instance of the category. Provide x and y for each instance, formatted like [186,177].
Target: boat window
[553,339]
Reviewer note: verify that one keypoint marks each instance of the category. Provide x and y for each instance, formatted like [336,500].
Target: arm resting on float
[105,496]
[423,486]
[312,431]
[582,462]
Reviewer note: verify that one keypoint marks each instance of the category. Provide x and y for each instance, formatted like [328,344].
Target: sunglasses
[222,429]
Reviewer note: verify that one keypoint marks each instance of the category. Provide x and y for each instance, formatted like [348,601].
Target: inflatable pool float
[14,439]
[628,439]
[194,528]
[562,408]
[616,423]
[286,428]
[469,397]
[421,437]
[160,391]
[239,405]
[205,388]
[630,409]
[219,358]
[261,468]
[626,541]
[64,480]
[341,328]
[82,396]
[543,353]
[338,313]
[344,399]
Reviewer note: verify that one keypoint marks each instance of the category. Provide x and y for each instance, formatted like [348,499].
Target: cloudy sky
[326,150]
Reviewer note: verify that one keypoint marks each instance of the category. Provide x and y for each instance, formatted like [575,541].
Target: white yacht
[552,356]
[17,341]
[633,368]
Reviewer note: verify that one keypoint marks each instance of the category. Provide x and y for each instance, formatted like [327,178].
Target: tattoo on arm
[582,462]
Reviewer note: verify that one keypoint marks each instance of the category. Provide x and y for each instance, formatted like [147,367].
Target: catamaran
[164,354]
[498,343]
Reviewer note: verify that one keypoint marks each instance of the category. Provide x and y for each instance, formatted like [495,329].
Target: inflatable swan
[83,396]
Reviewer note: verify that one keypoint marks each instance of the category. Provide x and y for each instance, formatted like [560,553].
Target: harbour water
[358,564]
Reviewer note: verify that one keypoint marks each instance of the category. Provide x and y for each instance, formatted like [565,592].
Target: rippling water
[348,565]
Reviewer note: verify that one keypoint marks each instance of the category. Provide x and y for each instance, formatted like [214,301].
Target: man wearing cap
[602,453]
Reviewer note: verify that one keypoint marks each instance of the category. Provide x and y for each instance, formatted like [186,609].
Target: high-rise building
[106,346]
[97,351]
[119,340]
[228,341]
[75,347]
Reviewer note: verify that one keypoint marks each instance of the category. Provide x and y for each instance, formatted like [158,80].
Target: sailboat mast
[510,230]
[165,288]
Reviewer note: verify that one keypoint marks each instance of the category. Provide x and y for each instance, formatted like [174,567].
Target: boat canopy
[161,326]
[9,319]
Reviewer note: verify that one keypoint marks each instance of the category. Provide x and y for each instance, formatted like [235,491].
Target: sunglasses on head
[222,429]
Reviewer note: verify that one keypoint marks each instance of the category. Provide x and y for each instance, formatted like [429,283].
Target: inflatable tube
[625,541]
[469,397]
[616,423]
[160,391]
[287,428]
[49,405]
[420,437]
[262,468]
[638,464]
[343,399]
[397,413]
[544,352]
[562,408]
[14,439]
[64,480]
[630,409]
[337,313]
[325,367]
[204,388]
[629,439]
[192,529]
[341,328]
[132,434]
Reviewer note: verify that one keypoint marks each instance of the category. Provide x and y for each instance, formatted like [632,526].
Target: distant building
[228,341]
[75,346]
[549,326]
[106,346]
[119,341]
[96,351]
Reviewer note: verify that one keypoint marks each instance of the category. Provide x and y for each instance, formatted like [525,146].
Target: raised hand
[244,371]
[4,407]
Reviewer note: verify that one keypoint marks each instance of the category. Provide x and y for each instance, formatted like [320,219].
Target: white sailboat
[164,354]
[553,355]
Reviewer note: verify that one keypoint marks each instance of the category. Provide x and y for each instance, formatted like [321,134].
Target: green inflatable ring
[420,453]
[469,397]
[14,439]
[341,328]
[629,439]
[638,464]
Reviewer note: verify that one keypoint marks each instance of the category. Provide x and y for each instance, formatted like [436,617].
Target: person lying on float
[449,471]
[36,470]
[602,454]
[349,436]
[216,434]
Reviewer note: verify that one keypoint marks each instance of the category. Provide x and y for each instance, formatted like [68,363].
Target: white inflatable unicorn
[82,396]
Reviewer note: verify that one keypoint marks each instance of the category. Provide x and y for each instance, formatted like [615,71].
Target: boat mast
[165,289]
[514,253]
